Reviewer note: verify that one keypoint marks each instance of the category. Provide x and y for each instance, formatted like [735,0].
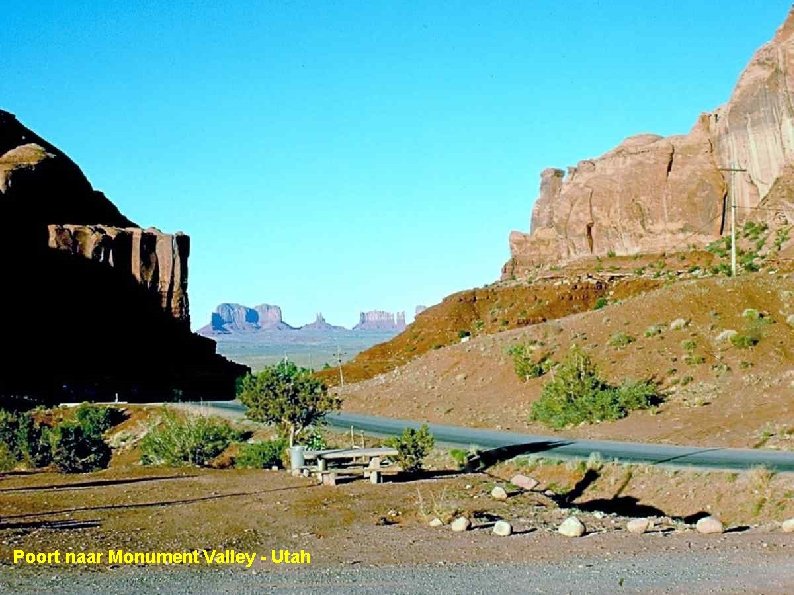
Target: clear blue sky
[342,156]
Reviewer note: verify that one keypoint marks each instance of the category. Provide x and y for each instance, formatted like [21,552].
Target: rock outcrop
[320,325]
[653,194]
[378,320]
[94,306]
[158,261]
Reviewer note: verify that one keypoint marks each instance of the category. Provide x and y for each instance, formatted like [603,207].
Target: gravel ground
[704,572]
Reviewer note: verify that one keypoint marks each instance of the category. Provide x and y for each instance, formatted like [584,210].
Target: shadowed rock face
[93,305]
[156,260]
[652,194]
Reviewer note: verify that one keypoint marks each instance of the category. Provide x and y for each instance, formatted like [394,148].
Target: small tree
[412,447]
[287,396]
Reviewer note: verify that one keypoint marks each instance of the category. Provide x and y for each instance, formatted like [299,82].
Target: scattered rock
[710,524]
[571,527]
[502,528]
[460,524]
[639,526]
[788,526]
[726,335]
[436,522]
[499,493]
[524,482]
[790,320]
[678,324]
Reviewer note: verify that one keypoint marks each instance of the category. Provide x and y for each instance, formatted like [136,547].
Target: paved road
[515,444]
[660,572]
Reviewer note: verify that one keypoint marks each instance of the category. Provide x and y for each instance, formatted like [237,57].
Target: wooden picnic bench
[369,462]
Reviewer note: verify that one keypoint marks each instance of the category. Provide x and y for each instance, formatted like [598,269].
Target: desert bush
[744,341]
[24,440]
[620,339]
[186,440]
[96,419]
[412,447]
[77,450]
[288,396]
[526,363]
[577,394]
[600,303]
[315,440]
[260,455]
[654,330]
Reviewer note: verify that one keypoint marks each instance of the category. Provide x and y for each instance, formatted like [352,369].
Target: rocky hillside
[717,390]
[654,194]
[93,305]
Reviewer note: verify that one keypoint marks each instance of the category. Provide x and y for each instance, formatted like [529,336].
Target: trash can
[296,457]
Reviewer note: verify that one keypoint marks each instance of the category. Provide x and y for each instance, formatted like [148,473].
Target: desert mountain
[654,194]
[93,304]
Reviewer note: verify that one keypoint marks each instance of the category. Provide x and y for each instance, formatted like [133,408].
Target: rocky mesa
[655,194]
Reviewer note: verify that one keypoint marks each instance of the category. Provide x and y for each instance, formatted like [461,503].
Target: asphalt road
[509,444]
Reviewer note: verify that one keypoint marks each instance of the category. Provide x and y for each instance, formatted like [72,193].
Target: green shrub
[95,419]
[76,450]
[781,237]
[186,440]
[611,254]
[412,447]
[460,456]
[654,330]
[260,455]
[24,439]
[463,334]
[620,339]
[577,394]
[688,344]
[315,440]
[600,303]
[743,341]
[526,364]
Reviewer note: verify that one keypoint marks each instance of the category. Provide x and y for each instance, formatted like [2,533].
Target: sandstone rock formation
[94,306]
[236,318]
[653,194]
[321,325]
[378,320]
[158,261]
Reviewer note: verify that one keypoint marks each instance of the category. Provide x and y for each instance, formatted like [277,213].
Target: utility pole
[733,170]
[341,375]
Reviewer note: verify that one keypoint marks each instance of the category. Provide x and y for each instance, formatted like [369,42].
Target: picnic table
[369,462]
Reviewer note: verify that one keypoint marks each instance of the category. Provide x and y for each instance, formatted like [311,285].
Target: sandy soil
[715,394]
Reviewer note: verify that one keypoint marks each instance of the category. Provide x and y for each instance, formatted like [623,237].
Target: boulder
[571,527]
[502,528]
[639,526]
[460,524]
[787,526]
[524,482]
[499,493]
[436,522]
[709,525]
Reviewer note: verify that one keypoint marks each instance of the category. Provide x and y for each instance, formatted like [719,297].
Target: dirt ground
[139,508]
[715,393]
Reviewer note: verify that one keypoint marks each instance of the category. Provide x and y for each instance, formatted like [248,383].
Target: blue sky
[345,156]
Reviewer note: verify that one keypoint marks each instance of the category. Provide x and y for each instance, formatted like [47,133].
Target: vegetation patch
[188,440]
[527,363]
[577,394]
[412,447]
[260,455]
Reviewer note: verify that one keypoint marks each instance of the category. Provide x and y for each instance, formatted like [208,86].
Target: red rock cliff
[652,194]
